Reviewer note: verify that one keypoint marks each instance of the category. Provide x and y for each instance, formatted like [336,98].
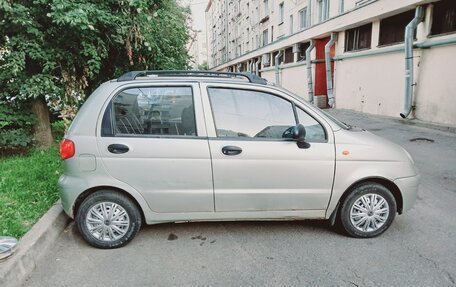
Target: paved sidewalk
[418,249]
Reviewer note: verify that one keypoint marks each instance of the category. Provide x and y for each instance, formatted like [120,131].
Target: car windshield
[335,120]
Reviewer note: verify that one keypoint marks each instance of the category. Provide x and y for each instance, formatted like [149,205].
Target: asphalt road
[418,250]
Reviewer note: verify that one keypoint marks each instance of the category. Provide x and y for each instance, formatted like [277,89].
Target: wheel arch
[92,190]
[391,186]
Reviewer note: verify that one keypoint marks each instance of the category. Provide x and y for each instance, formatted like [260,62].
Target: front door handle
[231,150]
[118,148]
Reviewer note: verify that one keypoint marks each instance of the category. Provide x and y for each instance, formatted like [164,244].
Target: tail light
[67,149]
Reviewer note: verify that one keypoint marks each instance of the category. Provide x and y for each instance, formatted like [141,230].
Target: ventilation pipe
[257,63]
[277,69]
[310,91]
[329,81]
[409,35]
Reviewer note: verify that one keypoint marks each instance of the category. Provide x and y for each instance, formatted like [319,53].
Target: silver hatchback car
[169,146]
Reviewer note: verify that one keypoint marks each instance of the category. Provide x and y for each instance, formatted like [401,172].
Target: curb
[33,246]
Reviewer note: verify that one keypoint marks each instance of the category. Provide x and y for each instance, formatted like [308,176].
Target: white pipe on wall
[409,35]
[329,80]
[277,69]
[310,92]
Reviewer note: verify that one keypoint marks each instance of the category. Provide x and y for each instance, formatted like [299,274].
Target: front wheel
[368,210]
[108,219]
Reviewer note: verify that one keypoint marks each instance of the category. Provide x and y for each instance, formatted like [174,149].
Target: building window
[341,6]
[274,58]
[265,37]
[392,28]
[266,7]
[289,56]
[303,18]
[444,17]
[291,24]
[323,10]
[266,60]
[302,51]
[358,38]
[281,13]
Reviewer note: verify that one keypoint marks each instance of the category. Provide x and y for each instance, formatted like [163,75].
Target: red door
[320,69]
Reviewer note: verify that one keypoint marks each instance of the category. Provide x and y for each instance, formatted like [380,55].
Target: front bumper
[409,190]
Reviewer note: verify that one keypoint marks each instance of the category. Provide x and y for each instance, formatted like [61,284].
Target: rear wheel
[368,210]
[108,219]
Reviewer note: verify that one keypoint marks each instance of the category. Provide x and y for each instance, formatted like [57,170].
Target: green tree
[54,52]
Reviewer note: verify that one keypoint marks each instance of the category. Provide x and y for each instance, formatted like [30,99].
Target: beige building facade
[348,54]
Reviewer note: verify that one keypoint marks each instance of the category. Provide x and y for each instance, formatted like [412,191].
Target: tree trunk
[42,130]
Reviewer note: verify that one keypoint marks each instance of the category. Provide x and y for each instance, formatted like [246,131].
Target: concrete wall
[373,84]
[294,79]
[435,93]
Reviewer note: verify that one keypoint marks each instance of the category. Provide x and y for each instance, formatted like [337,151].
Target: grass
[28,188]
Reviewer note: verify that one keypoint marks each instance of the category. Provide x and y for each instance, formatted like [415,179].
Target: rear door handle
[118,148]
[231,150]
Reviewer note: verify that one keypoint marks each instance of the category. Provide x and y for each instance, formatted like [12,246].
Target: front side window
[162,111]
[250,114]
[314,130]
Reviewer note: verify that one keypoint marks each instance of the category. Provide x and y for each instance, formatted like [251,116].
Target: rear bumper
[70,187]
[409,190]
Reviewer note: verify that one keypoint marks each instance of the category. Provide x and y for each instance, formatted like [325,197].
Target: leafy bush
[16,134]
[58,130]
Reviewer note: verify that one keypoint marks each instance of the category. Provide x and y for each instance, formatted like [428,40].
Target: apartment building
[386,57]
[197,49]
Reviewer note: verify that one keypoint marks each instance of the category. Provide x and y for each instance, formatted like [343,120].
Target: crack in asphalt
[435,264]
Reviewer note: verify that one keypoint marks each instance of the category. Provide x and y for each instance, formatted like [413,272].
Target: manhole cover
[422,140]
[7,245]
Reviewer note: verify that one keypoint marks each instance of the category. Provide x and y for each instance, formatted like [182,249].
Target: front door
[154,139]
[255,166]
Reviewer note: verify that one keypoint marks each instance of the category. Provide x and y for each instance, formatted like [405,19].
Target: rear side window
[250,114]
[158,111]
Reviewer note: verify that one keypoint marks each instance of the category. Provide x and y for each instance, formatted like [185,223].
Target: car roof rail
[132,75]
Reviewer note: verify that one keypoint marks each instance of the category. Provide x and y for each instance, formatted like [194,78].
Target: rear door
[153,138]
[255,167]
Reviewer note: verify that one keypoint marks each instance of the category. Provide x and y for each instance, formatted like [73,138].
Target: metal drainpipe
[329,82]
[257,72]
[277,69]
[409,33]
[310,91]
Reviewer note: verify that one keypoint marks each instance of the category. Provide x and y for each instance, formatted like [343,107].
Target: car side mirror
[299,135]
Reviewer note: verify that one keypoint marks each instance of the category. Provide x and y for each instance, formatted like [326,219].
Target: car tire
[367,211]
[108,219]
